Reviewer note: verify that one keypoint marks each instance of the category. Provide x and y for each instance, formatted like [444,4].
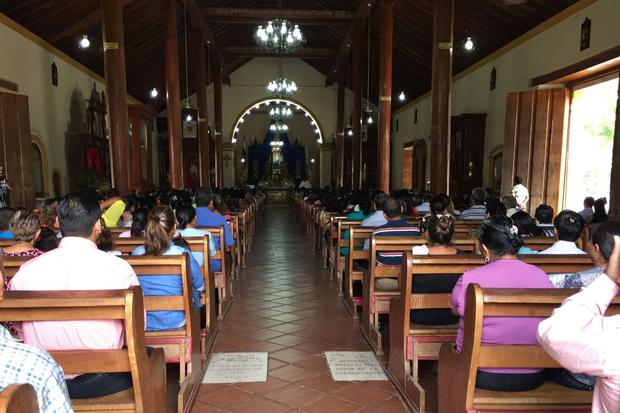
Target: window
[37,171]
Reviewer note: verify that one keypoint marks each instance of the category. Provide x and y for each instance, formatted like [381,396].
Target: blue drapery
[258,155]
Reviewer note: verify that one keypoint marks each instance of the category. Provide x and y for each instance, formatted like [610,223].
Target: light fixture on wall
[154,93]
[84,42]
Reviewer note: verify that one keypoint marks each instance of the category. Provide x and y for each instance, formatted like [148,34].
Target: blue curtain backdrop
[258,155]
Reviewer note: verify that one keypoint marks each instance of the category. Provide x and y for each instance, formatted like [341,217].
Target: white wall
[552,49]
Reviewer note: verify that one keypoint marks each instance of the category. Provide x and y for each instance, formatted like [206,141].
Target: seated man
[568,228]
[544,216]
[512,207]
[21,363]
[377,218]
[587,211]
[206,217]
[477,211]
[77,264]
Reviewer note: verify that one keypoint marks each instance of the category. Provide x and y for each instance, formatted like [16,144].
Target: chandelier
[278,127]
[282,88]
[279,36]
[280,113]
[278,144]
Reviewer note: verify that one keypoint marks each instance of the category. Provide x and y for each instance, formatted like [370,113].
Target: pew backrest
[19,398]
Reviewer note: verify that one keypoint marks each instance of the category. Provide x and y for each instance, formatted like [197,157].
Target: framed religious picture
[586,29]
[54,74]
[190,129]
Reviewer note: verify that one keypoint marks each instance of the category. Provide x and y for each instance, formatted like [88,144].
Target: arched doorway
[40,182]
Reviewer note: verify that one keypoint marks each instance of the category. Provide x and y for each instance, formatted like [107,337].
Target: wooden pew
[357,238]
[457,371]
[378,302]
[19,398]
[339,262]
[148,393]
[222,278]
[6,243]
[410,343]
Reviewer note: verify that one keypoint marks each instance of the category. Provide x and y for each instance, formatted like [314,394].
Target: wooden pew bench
[457,371]
[375,301]
[410,343]
[339,261]
[148,393]
[19,398]
[352,273]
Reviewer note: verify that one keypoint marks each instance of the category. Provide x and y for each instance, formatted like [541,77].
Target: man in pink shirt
[77,264]
[583,340]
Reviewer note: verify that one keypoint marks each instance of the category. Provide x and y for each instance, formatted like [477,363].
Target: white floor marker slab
[236,368]
[354,366]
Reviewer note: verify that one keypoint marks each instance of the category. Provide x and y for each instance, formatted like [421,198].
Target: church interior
[309,205]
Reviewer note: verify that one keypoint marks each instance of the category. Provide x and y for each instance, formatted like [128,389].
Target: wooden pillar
[149,151]
[116,90]
[201,101]
[339,164]
[443,19]
[386,8]
[614,186]
[217,96]
[173,94]
[136,155]
[358,86]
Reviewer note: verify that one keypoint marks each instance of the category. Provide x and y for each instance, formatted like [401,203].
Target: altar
[278,195]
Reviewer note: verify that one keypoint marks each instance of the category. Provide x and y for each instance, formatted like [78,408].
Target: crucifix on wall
[226,158]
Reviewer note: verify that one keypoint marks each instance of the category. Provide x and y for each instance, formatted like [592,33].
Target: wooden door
[534,144]
[419,166]
[16,148]
[467,153]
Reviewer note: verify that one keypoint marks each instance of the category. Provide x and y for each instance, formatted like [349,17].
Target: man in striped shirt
[395,226]
[478,210]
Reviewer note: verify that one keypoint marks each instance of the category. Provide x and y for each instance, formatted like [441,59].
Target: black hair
[5,217]
[365,205]
[509,202]
[526,225]
[380,199]
[438,205]
[77,214]
[518,180]
[185,215]
[499,235]
[588,201]
[600,215]
[47,240]
[569,225]
[138,222]
[204,196]
[604,237]
[440,229]
[392,208]
[495,207]
[478,196]
[426,196]
[544,214]
[105,241]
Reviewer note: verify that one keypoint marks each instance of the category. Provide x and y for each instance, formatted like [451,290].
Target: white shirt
[375,220]
[521,194]
[563,248]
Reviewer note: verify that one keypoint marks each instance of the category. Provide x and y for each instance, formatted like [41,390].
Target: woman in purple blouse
[500,244]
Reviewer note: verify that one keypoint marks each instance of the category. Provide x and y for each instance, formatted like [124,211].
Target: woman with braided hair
[500,244]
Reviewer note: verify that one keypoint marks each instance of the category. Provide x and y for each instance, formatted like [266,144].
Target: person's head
[105,241]
[204,198]
[568,225]
[588,202]
[526,224]
[138,222]
[440,229]
[47,240]
[186,216]
[600,214]
[499,237]
[510,202]
[379,200]
[160,226]
[518,180]
[602,243]
[49,212]
[392,209]
[79,215]
[426,196]
[438,205]
[544,214]
[478,196]
[365,205]
[495,207]
[24,225]
[5,218]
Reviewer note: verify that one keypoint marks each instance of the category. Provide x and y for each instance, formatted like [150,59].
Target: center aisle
[285,305]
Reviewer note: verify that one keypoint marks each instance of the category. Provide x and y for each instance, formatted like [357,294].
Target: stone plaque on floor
[354,366]
[236,368]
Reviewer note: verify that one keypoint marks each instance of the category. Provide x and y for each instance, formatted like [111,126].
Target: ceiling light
[154,93]
[279,36]
[402,96]
[188,118]
[242,160]
[282,88]
[369,120]
[469,44]
[312,160]
[84,42]
[350,132]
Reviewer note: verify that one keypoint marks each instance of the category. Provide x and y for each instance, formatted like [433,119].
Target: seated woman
[500,243]
[138,222]
[160,228]
[527,228]
[186,228]
[25,227]
[361,211]
[439,230]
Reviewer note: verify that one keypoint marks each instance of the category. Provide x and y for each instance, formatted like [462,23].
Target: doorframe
[412,145]
[36,140]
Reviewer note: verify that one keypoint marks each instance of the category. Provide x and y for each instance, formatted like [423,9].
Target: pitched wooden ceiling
[325,23]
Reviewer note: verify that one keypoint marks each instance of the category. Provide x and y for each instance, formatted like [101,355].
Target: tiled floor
[286,305]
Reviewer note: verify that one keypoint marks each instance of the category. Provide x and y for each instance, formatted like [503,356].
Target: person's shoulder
[139,250]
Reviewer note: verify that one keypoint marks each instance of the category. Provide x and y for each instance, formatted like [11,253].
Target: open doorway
[414,165]
[590,142]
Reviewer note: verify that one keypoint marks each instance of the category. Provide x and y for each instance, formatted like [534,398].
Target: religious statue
[276,168]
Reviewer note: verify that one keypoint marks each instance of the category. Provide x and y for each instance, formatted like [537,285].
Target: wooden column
[136,155]
[217,96]
[386,8]
[201,100]
[614,186]
[358,86]
[339,164]
[173,94]
[116,90]
[443,19]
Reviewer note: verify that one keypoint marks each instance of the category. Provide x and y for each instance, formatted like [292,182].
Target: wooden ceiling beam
[362,13]
[260,16]
[303,53]
[199,21]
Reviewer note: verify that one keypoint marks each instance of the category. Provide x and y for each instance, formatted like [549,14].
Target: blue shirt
[6,235]
[396,228]
[207,218]
[194,232]
[159,285]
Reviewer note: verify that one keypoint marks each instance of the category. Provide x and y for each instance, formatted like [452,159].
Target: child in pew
[500,243]
[138,222]
[159,232]
[186,228]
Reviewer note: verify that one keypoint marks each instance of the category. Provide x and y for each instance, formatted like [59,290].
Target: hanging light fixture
[278,127]
[369,120]
[84,42]
[279,35]
[280,113]
[154,93]
[188,107]
[402,97]
[469,44]
[282,88]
